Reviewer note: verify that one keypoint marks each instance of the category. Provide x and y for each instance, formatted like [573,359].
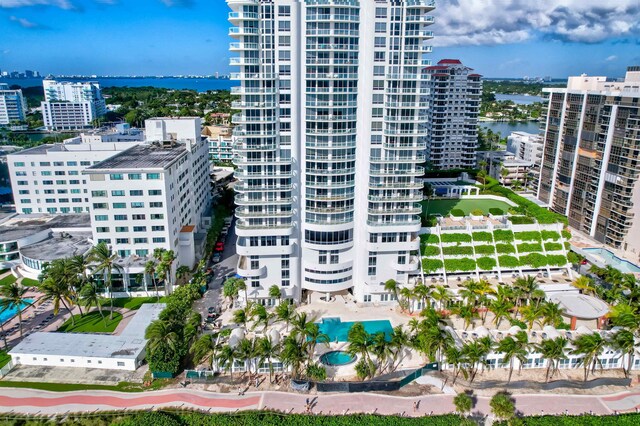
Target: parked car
[219,246]
[216,258]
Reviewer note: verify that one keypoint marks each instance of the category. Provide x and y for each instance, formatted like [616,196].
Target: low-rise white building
[114,352]
[516,169]
[48,178]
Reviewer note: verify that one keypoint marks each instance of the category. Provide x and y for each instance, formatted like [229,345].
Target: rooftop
[580,305]
[145,156]
[24,225]
[59,246]
[128,345]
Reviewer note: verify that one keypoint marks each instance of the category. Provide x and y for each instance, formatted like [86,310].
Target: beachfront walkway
[43,402]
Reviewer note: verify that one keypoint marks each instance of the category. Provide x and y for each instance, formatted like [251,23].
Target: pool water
[338,330]
[611,259]
[337,358]
[10,313]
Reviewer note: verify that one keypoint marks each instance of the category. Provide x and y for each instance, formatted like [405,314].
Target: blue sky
[499,38]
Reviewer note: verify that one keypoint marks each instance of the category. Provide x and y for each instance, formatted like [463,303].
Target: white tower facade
[329,143]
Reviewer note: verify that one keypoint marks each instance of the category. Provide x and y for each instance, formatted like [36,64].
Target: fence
[524,384]
[4,370]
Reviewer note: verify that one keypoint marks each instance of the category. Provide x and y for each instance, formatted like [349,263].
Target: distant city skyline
[510,39]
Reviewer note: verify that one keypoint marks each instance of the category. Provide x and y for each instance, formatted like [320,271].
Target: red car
[219,246]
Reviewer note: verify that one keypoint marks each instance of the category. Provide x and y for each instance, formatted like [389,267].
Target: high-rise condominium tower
[590,163]
[329,143]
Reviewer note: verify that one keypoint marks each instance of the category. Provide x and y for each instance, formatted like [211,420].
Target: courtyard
[445,206]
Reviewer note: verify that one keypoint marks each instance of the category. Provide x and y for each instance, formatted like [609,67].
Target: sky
[498,38]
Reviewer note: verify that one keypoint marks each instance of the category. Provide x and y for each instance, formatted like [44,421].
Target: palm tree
[105,262]
[300,324]
[226,358]
[463,403]
[293,355]
[56,291]
[467,313]
[182,272]
[590,346]
[422,292]
[150,271]
[246,350]
[285,312]
[192,327]
[530,314]
[205,349]
[407,296]
[240,317]
[359,341]
[503,406]
[11,299]
[267,350]
[624,341]
[381,349]
[552,314]
[274,293]
[261,316]
[230,290]
[168,257]
[457,358]
[585,284]
[553,350]
[399,340]
[514,349]
[392,287]
[79,265]
[442,295]
[475,353]
[90,295]
[161,335]
[527,285]
[501,309]
[624,315]
[313,337]
[242,285]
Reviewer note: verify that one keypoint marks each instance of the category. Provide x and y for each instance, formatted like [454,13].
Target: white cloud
[62,4]
[177,3]
[611,58]
[464,22]
[25,23]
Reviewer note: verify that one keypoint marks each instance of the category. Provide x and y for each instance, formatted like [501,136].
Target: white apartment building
[13,107]
[48,178]
[526,146]
[153,195]
[220,143]
[455,93]
[71,105]
[329,143]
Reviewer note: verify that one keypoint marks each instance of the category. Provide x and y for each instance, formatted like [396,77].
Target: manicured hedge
[528,236]
[482,236]
[529,247]
[503,235]
[521,220]
[505,248]
[535,260]
[477,212]
[631,419]
[496,211]
[567,245]
[552,246]
[556,260]
[566,234]
[456,238]
[486,263]
[485,249]
[430,251]
[459,265]
[457,250]
[457,213]
[550,235]
[431,265]
[508,261]
[429,239]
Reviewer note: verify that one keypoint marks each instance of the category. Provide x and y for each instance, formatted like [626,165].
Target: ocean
[177,83]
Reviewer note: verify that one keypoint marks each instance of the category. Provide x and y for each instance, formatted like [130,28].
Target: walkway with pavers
[32,401]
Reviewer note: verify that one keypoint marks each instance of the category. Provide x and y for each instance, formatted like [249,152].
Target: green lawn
[92,323]
[134,303]
[444,206]
[4,358]
[9,279]
[28,282]
[68,387]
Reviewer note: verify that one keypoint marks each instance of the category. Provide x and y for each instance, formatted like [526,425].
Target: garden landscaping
[92,323]
[445,206]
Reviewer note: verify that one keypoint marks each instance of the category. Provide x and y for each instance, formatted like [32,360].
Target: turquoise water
[611,259]
[10,313]
[338,330]
[337,358]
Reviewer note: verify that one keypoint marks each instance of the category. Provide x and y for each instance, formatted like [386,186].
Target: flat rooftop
[59,246]
[580,305]
[24,225]
[128,345]
[145,156]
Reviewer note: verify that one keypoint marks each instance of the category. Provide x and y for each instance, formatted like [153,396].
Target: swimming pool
[338,330]
[611,259]
[7,314]
[335,358]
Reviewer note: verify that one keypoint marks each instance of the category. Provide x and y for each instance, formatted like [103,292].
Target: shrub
[457,213]
[552,246]
[430,251]
[496,211]
[486,263]
[526,207]
[528,236]
[508,261]
[429,239]
[431,265]
[535,260]
[567,245]
[457,250]
[521,220]
[486,249]
[459,265]
[477,212]
[518,323]
[428,221]
[505,248]
[550,235]
[503,235]
[556,260]
[529,247]
[566,234]
[456,238]
[482,236]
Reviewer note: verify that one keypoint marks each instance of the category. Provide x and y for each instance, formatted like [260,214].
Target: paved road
[44,402]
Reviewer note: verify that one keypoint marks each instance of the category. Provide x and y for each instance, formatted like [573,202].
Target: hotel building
[329,143]
[589,166]
[71,105]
